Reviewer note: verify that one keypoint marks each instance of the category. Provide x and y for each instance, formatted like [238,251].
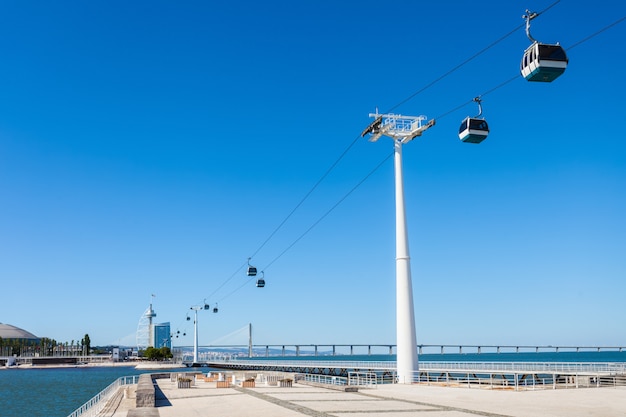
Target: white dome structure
[8,332]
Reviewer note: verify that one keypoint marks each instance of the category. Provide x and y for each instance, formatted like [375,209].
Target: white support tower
[195,332]
[402,129]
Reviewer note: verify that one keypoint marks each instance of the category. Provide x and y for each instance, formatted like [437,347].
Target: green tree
[87,343]
[154,354]
[165,352]
[151,353]
[47,345]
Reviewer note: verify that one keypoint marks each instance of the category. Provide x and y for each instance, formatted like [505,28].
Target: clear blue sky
[151,147]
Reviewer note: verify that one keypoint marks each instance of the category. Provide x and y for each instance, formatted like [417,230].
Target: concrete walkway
[204,399]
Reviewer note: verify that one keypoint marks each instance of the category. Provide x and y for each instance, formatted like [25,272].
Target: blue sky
[152,147]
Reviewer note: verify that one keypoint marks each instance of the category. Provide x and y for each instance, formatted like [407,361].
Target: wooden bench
[184,383]
[248,384]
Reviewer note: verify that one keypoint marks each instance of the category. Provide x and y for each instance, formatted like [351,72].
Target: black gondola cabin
[542,62]
[473,130]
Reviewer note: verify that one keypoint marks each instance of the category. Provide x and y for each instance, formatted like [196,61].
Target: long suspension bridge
[272,350]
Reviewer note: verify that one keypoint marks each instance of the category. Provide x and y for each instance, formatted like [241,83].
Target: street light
[204,306]
[195,332]
[402,129]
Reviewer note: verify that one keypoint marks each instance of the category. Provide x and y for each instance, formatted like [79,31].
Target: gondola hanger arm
[529,16]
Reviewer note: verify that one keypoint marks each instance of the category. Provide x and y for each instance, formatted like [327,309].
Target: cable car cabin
[251,271]
[543,62]
[473,130]
[260,283]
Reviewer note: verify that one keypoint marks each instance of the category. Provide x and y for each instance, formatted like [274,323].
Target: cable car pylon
[402,129]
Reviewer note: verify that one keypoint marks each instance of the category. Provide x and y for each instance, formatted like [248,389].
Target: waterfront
[59,391]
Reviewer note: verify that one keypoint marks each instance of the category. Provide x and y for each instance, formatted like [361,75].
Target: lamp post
[205,306]
[195,332]
[402,129]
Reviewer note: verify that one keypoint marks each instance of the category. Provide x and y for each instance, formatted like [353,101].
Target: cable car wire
[332,167]
[380,164]
[491,90]
[351,145]
[597,33]
[436,80]
[328,171]
[515,77]
[225,282]
[476,55]
[356,139]
[329,210]
[313,225]
[233,291]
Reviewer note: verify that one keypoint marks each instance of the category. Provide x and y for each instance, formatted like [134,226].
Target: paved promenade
[204,399]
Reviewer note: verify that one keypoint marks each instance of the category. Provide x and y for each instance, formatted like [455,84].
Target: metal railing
[363,379]
[526,367]
[309,364]
[322,379]
[92,407]
[517,381]
[529,367]
[496,375]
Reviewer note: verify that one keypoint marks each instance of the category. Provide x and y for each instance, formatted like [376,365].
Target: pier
[302,399]
[514,374]
[351,376]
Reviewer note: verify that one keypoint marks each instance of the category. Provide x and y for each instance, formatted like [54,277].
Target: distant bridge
[361,349]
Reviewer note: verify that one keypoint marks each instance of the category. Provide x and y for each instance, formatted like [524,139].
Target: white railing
[504,375]
[516,381]
[310,364]
[363,379]
[92,407]
[528,367]
[322,379]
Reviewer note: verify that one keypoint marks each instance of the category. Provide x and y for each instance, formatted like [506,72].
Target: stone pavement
[204,399]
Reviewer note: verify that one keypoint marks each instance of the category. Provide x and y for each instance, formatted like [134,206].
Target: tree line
[45,347]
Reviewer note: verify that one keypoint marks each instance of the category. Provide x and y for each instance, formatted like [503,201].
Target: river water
[53,392]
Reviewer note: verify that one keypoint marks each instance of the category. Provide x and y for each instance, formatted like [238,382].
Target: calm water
[58,392]
[53,392]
